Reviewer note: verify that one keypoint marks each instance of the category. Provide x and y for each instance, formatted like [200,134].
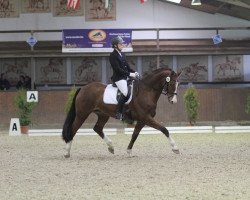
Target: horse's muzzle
[173,99]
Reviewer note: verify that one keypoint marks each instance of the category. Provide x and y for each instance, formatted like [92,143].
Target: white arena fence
[147,130]
[58,132]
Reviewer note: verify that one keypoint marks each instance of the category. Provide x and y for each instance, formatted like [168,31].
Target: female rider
[121,72]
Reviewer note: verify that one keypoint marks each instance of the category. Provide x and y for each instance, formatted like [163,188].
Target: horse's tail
[67,134]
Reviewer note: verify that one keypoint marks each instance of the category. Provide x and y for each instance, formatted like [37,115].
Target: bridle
[166,86]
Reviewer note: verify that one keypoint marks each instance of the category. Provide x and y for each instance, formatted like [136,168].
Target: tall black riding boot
[121,102]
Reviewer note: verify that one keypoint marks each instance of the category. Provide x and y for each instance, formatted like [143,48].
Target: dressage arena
[210,166]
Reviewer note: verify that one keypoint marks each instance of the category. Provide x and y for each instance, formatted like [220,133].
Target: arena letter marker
[14,127]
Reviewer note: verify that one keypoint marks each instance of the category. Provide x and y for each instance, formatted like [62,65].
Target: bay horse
[142,108]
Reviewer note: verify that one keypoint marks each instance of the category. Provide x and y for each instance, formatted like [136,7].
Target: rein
[135,85]
[165,92]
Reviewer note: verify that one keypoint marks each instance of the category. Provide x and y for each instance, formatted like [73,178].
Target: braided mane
[155,75]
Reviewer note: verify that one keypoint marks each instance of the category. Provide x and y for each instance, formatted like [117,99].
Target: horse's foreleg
[98,128]
[109,143]
[152,123]
[175,149]
[135,134]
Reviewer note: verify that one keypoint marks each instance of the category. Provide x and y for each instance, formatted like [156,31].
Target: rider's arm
[116,65]
[126,63]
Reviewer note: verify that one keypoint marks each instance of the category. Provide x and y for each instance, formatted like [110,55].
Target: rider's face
[120,46]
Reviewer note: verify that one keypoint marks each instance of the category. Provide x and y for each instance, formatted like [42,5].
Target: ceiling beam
[238,8]
[236,3]
[203,7]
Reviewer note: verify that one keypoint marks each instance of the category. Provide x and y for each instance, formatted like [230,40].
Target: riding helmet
[117,40]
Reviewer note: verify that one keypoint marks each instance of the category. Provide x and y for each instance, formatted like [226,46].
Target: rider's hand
[133,75]
[137,74]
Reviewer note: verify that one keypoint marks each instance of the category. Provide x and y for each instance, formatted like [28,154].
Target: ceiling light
[196,2]
[175,1]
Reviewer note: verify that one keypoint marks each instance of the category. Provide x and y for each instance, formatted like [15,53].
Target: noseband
[165,90]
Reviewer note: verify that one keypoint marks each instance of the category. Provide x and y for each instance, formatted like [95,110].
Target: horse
[230,65]
[142,108]
[5,5]
[53,68]
[193,71]
[35,4]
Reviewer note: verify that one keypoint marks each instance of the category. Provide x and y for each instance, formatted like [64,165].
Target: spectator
[4,83]
[27,82]
[21,82]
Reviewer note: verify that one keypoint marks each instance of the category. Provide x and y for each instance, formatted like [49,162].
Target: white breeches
[122,86]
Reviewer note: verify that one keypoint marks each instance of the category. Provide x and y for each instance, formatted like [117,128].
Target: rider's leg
[121,102]
[122,86]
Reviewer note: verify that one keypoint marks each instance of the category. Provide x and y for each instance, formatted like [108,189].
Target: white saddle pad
[109,96]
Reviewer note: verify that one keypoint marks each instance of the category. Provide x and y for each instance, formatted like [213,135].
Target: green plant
[24,108]
[70,98]
[191,104]
[247,110]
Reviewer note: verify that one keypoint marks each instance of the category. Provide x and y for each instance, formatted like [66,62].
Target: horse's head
[171,85]
[165,81]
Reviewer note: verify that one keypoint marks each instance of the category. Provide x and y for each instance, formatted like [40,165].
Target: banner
[94,40]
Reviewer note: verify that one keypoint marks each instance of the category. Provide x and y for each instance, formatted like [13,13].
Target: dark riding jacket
[120,66]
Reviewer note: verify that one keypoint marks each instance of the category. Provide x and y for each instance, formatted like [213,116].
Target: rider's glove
[135,75]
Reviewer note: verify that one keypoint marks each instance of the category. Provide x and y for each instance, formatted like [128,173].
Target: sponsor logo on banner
[97,35]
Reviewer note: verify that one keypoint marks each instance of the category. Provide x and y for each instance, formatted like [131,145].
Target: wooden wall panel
[215,105]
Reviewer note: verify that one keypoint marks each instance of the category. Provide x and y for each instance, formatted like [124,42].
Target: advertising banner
[94,40]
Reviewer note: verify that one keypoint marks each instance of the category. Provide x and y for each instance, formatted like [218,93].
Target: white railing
[138,34]
[148,130]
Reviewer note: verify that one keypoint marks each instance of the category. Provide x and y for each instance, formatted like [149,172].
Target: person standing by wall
[21,82]
[27,83]
[4,83]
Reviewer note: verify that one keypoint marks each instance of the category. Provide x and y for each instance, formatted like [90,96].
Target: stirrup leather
[119,116]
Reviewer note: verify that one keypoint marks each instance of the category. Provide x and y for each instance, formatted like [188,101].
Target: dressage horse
[142,107]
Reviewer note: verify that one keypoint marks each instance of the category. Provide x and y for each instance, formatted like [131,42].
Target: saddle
[112,93]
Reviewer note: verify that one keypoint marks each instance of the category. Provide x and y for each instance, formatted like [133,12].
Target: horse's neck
[153,84]
[155,80]
[144,91]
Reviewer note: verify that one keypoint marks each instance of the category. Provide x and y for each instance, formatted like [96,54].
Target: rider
[121,72]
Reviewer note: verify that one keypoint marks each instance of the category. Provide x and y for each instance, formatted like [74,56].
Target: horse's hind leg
[98,128]
[75,126]
[135,134]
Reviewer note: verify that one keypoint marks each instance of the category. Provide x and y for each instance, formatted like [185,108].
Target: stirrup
[119,116]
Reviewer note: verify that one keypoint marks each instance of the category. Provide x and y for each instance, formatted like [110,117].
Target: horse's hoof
[129,151]
[176,151]
[66,155]
[111,150]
